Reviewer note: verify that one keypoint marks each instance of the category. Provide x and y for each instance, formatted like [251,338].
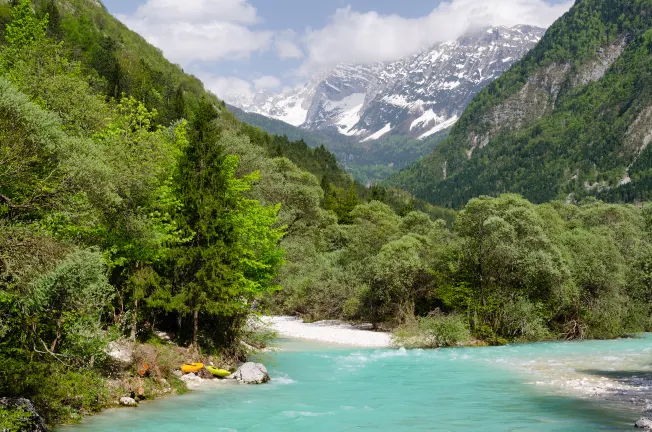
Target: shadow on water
[599,414]
[632,377]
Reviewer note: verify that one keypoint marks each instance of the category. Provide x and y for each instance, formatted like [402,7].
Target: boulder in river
[251,373]
[644,423]
[31,421]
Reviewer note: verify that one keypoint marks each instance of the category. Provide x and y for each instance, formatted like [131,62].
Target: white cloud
[354,37]
[226,87]
[200,30]
[267,82]
[286,46]
[205,31]
[198,11]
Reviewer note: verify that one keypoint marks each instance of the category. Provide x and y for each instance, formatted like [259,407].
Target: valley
[451,235]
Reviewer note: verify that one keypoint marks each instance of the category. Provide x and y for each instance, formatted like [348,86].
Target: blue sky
[241,46]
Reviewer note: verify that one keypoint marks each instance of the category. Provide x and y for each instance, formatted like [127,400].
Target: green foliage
[24,29]
[14,420]
[58,394]
[433,332]
[232,254]
[511,270]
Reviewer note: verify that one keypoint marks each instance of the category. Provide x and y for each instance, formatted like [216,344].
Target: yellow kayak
[222,373]
[191,367]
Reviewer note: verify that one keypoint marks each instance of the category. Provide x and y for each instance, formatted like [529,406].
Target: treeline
[508,270]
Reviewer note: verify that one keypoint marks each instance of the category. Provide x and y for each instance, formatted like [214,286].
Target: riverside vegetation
[133,200]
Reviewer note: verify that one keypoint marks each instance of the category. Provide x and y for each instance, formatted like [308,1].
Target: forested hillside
[369,162]
[571,119]
[132,200]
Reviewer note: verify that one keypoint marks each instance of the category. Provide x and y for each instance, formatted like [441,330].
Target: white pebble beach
[334,332]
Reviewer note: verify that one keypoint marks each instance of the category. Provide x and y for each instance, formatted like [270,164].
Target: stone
[167,337]
[648,408]
[251,373]
[191,380]
[644,423]
[177,373]
[128,402]
[32,421]
[121,352]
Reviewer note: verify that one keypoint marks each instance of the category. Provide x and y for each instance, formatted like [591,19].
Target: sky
[242,46]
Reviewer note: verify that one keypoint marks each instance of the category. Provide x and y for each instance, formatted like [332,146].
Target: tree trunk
[195,329]
[134,321]
[53,346]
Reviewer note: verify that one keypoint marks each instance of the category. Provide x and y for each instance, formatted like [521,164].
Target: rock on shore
[128,402]
[644,423]
[251,373]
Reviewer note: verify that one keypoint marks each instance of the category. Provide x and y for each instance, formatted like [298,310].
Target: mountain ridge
[570,120]
[416,96]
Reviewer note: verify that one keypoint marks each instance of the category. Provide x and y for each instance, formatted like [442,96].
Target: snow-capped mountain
[416,96]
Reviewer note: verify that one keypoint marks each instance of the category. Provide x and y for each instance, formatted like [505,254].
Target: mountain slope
[416,97]
[368,162]
[573,118]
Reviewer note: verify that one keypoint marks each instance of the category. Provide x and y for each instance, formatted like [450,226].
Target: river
[558,386]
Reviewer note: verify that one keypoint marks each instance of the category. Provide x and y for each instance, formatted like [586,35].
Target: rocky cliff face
[417,96]
[539,95]
[572,119]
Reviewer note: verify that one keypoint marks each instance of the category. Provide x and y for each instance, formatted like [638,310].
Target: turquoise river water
[532,387]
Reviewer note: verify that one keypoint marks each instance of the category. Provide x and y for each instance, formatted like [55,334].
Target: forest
[507,270]
[370,162]
[132,200]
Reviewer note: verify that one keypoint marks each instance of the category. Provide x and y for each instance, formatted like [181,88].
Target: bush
[351,308]
[432,332]
[59,394]
[522,321]
[13,420]
[162,360]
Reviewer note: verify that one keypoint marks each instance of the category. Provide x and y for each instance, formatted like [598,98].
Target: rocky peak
[416,96]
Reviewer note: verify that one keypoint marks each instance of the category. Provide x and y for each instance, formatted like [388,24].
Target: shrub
[59,394]
[14,420]
[432,332]
[162,360]
[351,308]
[522,320]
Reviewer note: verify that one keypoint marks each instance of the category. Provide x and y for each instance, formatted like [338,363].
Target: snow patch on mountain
[417,96]
[387,128]
[348,112]
[440,127]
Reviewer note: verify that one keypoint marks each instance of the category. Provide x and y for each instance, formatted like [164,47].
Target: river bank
[330,332]
[325,387]
[600,376]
